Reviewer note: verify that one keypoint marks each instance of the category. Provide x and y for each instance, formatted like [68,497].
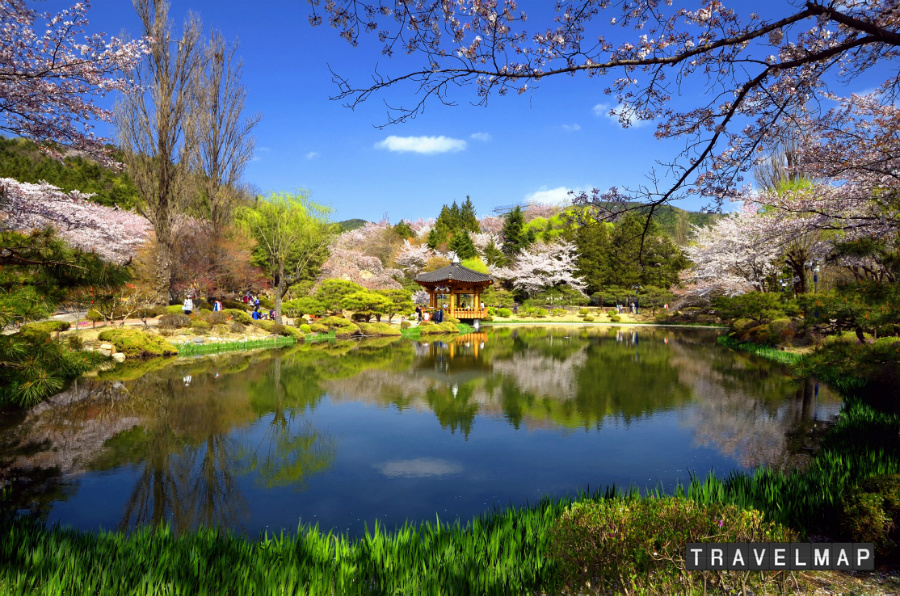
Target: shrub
[529,311]
[43,328]
[199,325]
[615,318]
[504,312]
[174,309]
[318,328]
[380,329]
[220,329]
[341,326]
[75,342]
[205,312]
[638,545]
[137,344]
[233,304]
[217,318]
[151,312]
[95,316]
[540,312]
[449,319]
[583,311]
[237,327]
[405,325]
[305,328]
[588,319]
[444,327]
[872,513]
[240,316]
[425,323]
[742,324]
[174,321]
[558,312]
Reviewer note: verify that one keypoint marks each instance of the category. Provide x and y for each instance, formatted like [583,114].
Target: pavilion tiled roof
[455,272]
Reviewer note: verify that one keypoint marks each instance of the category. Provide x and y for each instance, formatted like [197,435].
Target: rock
[199,340]
[118,357]
[106,347]
[105,352]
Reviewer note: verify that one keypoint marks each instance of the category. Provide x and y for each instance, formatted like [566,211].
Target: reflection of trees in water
[291,448]
[745,407]
[42,448]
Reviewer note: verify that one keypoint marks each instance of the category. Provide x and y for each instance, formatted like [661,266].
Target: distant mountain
[351,224]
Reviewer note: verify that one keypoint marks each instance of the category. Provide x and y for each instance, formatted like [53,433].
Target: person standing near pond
[188,306]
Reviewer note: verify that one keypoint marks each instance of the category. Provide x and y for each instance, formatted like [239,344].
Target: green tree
[468,220]
[403,230]
[493,255]
[515,239]
[639,254]
[291,232]
[592,240]
[332,292]
[462,245]
[437,236]
[37,272]
[401,302]
[367,303]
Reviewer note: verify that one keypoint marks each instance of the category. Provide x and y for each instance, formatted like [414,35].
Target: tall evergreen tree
[462,245]
[468,220]
[592,240]
[514,236]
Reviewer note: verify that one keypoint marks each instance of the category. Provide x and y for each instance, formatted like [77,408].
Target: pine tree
[462,245]
[468,220]
[514,236]
[592,240]
[493,255]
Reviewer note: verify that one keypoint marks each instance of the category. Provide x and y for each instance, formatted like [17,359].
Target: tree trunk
[279,293]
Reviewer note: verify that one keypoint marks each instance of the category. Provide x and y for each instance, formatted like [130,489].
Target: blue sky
[532,146]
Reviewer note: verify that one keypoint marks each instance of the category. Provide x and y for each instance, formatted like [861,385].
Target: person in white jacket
[188,306]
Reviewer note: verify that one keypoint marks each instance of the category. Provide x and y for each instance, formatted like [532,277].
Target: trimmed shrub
[504,312]
[199,325]
[540,312]
[558,312]
[405,325]
[341,326]
[237,327]
[240,316]
[174,321]
[205,312]
[174,309]
[305,328]
[95,316]
[233,304]
[444,327]
[137,344]
[380,329]
[75,342]
[318,328]
[742,324]
[583,311]
[637,545]
[449,319]
[615,318]
[588,319]
[43,328]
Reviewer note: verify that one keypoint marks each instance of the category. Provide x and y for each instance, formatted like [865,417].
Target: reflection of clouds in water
[422,467]
[543,375]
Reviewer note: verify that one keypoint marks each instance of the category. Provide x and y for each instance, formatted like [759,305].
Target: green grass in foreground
[767,352]
[192,349]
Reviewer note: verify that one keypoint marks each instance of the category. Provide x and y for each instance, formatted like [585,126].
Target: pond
[345,433]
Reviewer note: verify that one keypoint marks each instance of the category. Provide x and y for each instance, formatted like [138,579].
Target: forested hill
[23,161]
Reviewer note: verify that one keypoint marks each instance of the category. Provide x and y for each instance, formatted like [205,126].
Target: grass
[766,352]
[192,349]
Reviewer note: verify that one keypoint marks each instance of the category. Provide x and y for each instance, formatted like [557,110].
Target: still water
[346,433]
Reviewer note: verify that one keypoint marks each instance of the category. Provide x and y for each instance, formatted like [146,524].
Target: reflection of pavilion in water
[455,361]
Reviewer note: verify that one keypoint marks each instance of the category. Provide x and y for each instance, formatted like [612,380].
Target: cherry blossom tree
[49,80]
[113,234]
[731,256]
[755,77]
[491,224]
[363,269]
[543,266]
[412,258]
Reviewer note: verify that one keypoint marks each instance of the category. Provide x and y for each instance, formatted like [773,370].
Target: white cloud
[572,127]
[418,468]
[425,145]
[550,196]
[602,109]
[484,137]
[263,148]
[312,154]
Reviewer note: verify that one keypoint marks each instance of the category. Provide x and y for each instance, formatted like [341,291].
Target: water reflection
[321,429]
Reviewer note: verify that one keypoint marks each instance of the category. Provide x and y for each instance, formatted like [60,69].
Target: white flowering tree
[113,234]
[48,79]
[360,268]
[412,258]
[543,266]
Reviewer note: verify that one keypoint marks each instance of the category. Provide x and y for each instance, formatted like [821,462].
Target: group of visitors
[188,306]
